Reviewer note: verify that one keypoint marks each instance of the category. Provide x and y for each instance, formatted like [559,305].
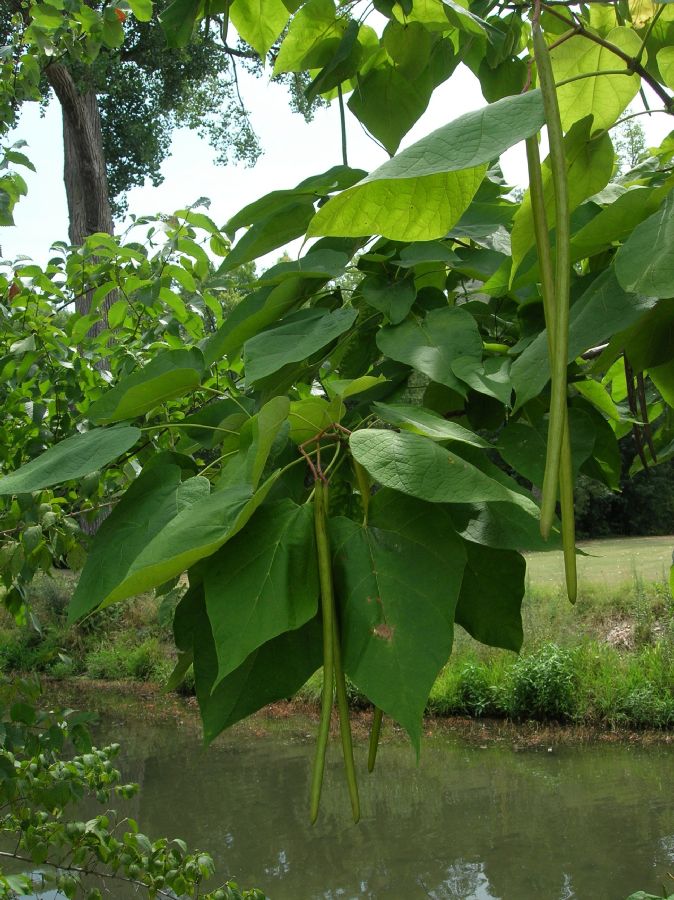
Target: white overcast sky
[292,150]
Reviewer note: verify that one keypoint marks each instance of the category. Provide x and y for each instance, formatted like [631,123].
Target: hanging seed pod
[548,290]
[558,360]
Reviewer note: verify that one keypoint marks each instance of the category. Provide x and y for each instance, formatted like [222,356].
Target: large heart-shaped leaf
[262,583]
[275,670]
[423,191]
[645,262]
[256,440]
[426,422]
[415,465]
[602,310]
[76,456]
[259,22]
[388,103]
[589,164]
[197,531]
[397,582]
[431,345]
[148,506]
[490,601]
[604,96]
[523,446]
[297,338]
[313,37]
[170,374]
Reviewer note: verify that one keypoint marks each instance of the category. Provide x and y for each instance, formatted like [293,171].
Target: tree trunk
[86,185]
[84,172]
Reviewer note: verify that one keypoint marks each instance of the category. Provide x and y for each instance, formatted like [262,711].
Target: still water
[467,823]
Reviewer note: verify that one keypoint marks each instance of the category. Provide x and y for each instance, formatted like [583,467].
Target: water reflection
[467,823]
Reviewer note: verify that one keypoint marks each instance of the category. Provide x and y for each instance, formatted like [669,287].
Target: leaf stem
[375,731]
[342,124]
[328,611]
[363,481]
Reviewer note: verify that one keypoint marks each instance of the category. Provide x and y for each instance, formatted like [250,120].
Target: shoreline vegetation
[603,665]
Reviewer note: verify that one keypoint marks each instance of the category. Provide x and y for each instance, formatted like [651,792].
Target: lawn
[613,561]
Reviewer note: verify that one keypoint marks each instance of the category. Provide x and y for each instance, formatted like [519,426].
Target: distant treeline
[645,505]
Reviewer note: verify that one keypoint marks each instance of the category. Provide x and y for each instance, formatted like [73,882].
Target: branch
[632,63]
[82,871]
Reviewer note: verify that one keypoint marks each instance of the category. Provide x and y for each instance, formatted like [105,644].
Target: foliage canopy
[349,462]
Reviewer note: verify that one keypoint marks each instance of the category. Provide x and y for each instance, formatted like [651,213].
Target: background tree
[121,102]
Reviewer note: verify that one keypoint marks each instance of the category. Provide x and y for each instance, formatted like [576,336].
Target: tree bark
[84,172]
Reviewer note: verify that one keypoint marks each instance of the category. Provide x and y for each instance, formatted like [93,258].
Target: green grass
[607,660]
[613,561]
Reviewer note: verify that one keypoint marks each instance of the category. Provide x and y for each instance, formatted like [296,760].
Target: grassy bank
[608,660]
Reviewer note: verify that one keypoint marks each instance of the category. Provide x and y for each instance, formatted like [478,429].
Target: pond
[467,822]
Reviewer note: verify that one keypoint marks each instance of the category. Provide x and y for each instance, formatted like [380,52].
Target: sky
[292,151]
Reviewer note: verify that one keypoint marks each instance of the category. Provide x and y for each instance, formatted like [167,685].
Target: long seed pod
[562,277]
[548,290]
[345,727]
[328,611]
[375,731]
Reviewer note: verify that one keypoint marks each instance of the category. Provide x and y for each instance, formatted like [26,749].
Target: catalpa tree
[354,456]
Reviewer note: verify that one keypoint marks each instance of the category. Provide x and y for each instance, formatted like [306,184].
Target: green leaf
[589,167]
[278,228]
[337,178]
[148,505]
[490,377]
[501,525]
[415,465]
[170,374]
[423,191]
[262,583]
[275,670]
[397,582]
[76,456]
[603,97]
[408,45]
[194,533]
[426,422]
[351,387]
[647,343]
[178,20]
[310,416]
[615,222]
[432,344]
[523,446]
[323,264]
[394,297]
[341,66]
[645,262]
[259,22]
[313,37]
[142,9]
[294,340]
[222,420]
[665,60]
[272,301]
[254,313]
[257,438]
[490,601]
[426,252]
[506,526]
[388,103]
[603,309]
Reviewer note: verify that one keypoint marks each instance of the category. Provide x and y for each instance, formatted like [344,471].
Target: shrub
[542,685]
[475,692]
